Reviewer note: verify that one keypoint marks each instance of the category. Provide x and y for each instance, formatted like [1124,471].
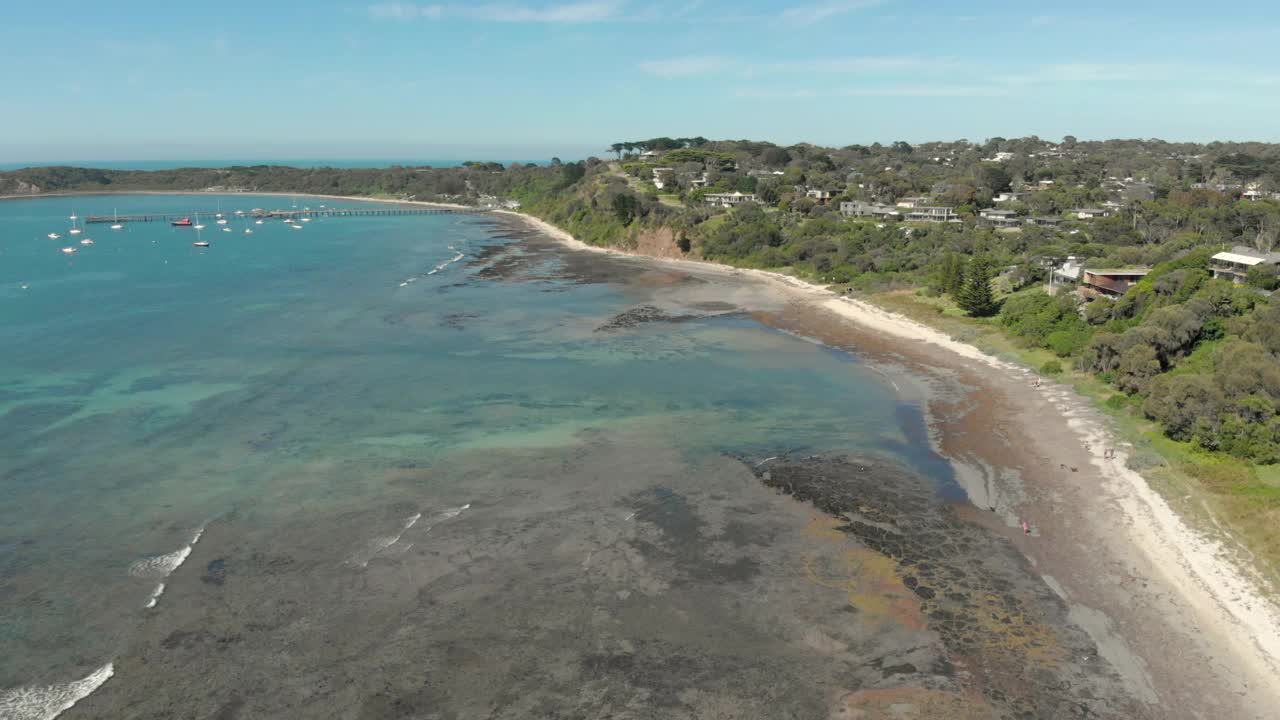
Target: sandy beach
[1193,634]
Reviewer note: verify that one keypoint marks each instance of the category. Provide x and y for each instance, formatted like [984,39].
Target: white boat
[257,222]
[53,236]
[306,219]
[74,231]
[68,250]
[296,226]
[199,227]
[248,231]
[115,219]
[226,229]
[117,226]
[201,243]
[73,216]
[86,241]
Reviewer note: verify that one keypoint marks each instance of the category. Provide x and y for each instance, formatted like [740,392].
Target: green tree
[976,296]
[625,208]
[951,274]
[1265,276]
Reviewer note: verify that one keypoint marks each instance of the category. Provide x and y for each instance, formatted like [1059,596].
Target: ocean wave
[388,543]
[46,703]
[155,596]
[446,264]
[458,256]
[162,566]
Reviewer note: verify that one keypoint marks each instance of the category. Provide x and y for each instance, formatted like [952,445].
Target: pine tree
[951,276]
[976,296]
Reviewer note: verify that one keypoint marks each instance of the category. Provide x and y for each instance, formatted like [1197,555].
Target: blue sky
[529,79]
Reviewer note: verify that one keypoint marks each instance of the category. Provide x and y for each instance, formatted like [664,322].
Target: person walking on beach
[1026,527]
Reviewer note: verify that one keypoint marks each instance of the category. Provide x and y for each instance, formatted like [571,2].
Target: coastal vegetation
[1189,361]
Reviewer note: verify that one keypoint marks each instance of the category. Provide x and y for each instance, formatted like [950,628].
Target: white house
[1235,265]
[925,213]
[1091,213]
[729,199]
[1000,218]
[865,209]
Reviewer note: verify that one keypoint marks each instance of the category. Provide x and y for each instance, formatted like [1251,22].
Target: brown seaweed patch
[872,582]
[909,703]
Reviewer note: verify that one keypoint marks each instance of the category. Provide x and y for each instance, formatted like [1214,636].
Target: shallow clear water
[149,389]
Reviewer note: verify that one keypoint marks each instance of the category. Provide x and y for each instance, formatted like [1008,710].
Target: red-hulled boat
[184,222]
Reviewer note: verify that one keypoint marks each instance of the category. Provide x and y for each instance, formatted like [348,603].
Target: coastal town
[1009,203]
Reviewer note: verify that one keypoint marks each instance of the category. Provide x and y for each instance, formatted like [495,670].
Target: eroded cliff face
[19,187]
[655,242]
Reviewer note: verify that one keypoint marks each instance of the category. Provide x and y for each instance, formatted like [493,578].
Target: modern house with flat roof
[932,214]
[865,209]
[1000,218]
[1109,283]
[913,202]
[728,199]
[1235,265]
[1091,213]
[1044,221]
[819,196]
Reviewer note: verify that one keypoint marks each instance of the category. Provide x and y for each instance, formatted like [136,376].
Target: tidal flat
[534,483]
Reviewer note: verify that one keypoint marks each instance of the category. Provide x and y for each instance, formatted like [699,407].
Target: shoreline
[1231,623]
[265,193]
[1104,537]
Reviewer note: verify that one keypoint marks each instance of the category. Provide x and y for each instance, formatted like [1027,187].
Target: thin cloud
[579,12]
[582,12]
[1068,73]
[705,65]
[901,91]
[817,12]
[926,91]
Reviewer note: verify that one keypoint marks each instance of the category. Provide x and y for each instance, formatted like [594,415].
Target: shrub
[1053,367]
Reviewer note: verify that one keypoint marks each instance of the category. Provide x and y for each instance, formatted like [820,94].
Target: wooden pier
[258,214]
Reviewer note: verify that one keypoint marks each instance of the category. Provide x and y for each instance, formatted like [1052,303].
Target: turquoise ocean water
[150,389]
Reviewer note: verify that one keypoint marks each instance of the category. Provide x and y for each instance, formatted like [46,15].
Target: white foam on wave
[46,703]
[388,543]
[155,596]
[162,566]
[455,512]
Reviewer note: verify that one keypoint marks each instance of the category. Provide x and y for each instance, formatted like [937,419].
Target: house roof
[1120,273]
[1241,259]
